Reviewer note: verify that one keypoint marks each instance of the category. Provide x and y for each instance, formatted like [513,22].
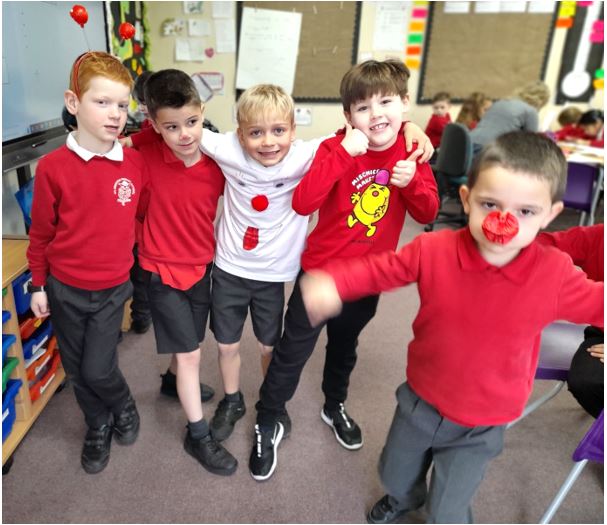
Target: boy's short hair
[138,92]
[569,115]
[440,96]
[97,64]
[264,100]
[591,117]
[371,77]
[525,152]
[169,88]
[535,94]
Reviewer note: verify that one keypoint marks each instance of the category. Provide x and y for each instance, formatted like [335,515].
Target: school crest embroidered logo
[124,190]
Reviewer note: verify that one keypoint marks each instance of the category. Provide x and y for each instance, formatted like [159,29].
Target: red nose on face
[500,228]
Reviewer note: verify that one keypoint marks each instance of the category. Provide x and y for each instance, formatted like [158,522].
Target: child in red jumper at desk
[486,293]
[591,123]
[178,246]
[568,120]
[362,186]
[441,104]
[585,245]
[80,251]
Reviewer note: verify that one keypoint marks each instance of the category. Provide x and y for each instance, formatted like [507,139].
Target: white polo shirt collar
[115,153]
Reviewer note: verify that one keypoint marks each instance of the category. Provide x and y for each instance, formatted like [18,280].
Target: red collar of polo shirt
[471,261]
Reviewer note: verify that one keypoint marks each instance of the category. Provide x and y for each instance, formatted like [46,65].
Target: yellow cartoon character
[372,204]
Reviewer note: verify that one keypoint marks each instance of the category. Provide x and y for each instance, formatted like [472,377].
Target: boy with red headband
[486,293]
[80,251]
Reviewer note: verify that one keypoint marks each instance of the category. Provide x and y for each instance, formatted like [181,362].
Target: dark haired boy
[362,186]
[178,245]
[441,104]
[486,292]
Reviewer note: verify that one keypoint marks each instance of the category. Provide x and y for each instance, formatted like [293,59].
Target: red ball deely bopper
[126,31]
[500,228]
[79,14]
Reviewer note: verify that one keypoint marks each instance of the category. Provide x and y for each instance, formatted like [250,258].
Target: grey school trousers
[420,436]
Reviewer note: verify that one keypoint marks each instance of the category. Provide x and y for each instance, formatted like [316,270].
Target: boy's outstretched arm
[412,133]
[320,296]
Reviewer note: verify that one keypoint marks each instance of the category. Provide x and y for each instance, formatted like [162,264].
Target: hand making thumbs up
[404,170]
[355,142]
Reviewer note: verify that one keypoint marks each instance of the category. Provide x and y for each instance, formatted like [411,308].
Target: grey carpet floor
[316,481]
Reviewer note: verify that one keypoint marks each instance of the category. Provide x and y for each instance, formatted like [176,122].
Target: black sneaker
[264,457]
[385,511]
[211,455]
[345,428]
[226,415]
[96,449]
[140,327]
[168,387]
[126,424]
[286,424]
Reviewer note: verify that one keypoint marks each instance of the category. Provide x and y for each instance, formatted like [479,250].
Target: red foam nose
[259,202]
[500,228]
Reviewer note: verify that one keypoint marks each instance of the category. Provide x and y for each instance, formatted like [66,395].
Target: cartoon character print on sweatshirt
[372,204]
[124,190]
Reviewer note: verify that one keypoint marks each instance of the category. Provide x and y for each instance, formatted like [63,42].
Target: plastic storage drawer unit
[37,341]
[7,341]
[7,368]
[8,407]
[22,296]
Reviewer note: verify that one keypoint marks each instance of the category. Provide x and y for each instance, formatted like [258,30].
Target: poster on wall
[134,53]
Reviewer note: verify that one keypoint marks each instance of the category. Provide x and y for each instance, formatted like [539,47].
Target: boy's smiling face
[267,139]
[181,129]
[379,117]
[524,195]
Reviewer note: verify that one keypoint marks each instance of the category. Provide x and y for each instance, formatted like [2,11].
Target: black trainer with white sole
[346,430]
[264,456]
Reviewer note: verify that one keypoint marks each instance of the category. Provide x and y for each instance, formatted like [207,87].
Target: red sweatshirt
[477,333]
[436,126]
[83,219]
[358,215]
[569,132]
[178,239]
[584,244]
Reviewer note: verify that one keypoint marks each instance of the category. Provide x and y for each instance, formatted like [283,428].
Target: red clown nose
[500,228]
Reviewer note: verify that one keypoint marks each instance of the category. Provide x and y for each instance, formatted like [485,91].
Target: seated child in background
[568,119]
[486,292]
[80,250]
[178,245]
[362,182]
[441,104]
[473,109]
[591,123]
[141,116]
[585,245]
[69,120]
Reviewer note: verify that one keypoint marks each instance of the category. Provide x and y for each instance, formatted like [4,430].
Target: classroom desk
[577,153]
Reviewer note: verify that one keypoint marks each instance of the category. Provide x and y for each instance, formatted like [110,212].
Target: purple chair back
[560,340]
[592,445]
[580,183]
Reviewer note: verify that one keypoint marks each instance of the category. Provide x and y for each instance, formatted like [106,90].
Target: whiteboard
[40,42]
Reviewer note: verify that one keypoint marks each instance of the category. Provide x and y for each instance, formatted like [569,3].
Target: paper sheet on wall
[390,25]
[456,7]
[189,50]
[225,35]
[223,9]
[268,48]
[198,27]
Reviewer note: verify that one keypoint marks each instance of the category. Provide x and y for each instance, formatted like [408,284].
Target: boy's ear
[71,101]
[406,103]
[555,209]
[155,126]
[464,195]
[240,134]
[348,117]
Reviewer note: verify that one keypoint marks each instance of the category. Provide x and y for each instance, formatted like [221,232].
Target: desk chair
[590,448]
[451,171]
[560,342]
[583,190]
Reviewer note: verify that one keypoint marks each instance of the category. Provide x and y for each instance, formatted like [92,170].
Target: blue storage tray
[22,296]
[7,341]
[6,315]
[8,406]
[38,339]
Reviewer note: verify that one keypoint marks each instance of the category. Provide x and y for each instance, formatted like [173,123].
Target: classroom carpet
[316,481]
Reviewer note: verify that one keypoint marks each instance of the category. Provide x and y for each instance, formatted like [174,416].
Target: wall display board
[328,45]
[476,49]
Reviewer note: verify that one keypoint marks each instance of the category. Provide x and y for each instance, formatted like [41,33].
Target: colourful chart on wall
[134,52]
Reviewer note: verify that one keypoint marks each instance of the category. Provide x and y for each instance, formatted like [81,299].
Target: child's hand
[39,305]
[320,296]
[126,142]
[404,170]
[414,133]
[598,352]
[355,142]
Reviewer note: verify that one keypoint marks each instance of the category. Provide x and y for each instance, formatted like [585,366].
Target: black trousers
[87,325]
[140,305]
[296,346]
[585,378]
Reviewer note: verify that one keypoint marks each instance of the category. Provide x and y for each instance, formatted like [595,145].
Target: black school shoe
[210,454]
[264,455]
[226,415]
[385,511]
[168,387]
[126,424]
[346,430]
[96,450]
[140,327]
